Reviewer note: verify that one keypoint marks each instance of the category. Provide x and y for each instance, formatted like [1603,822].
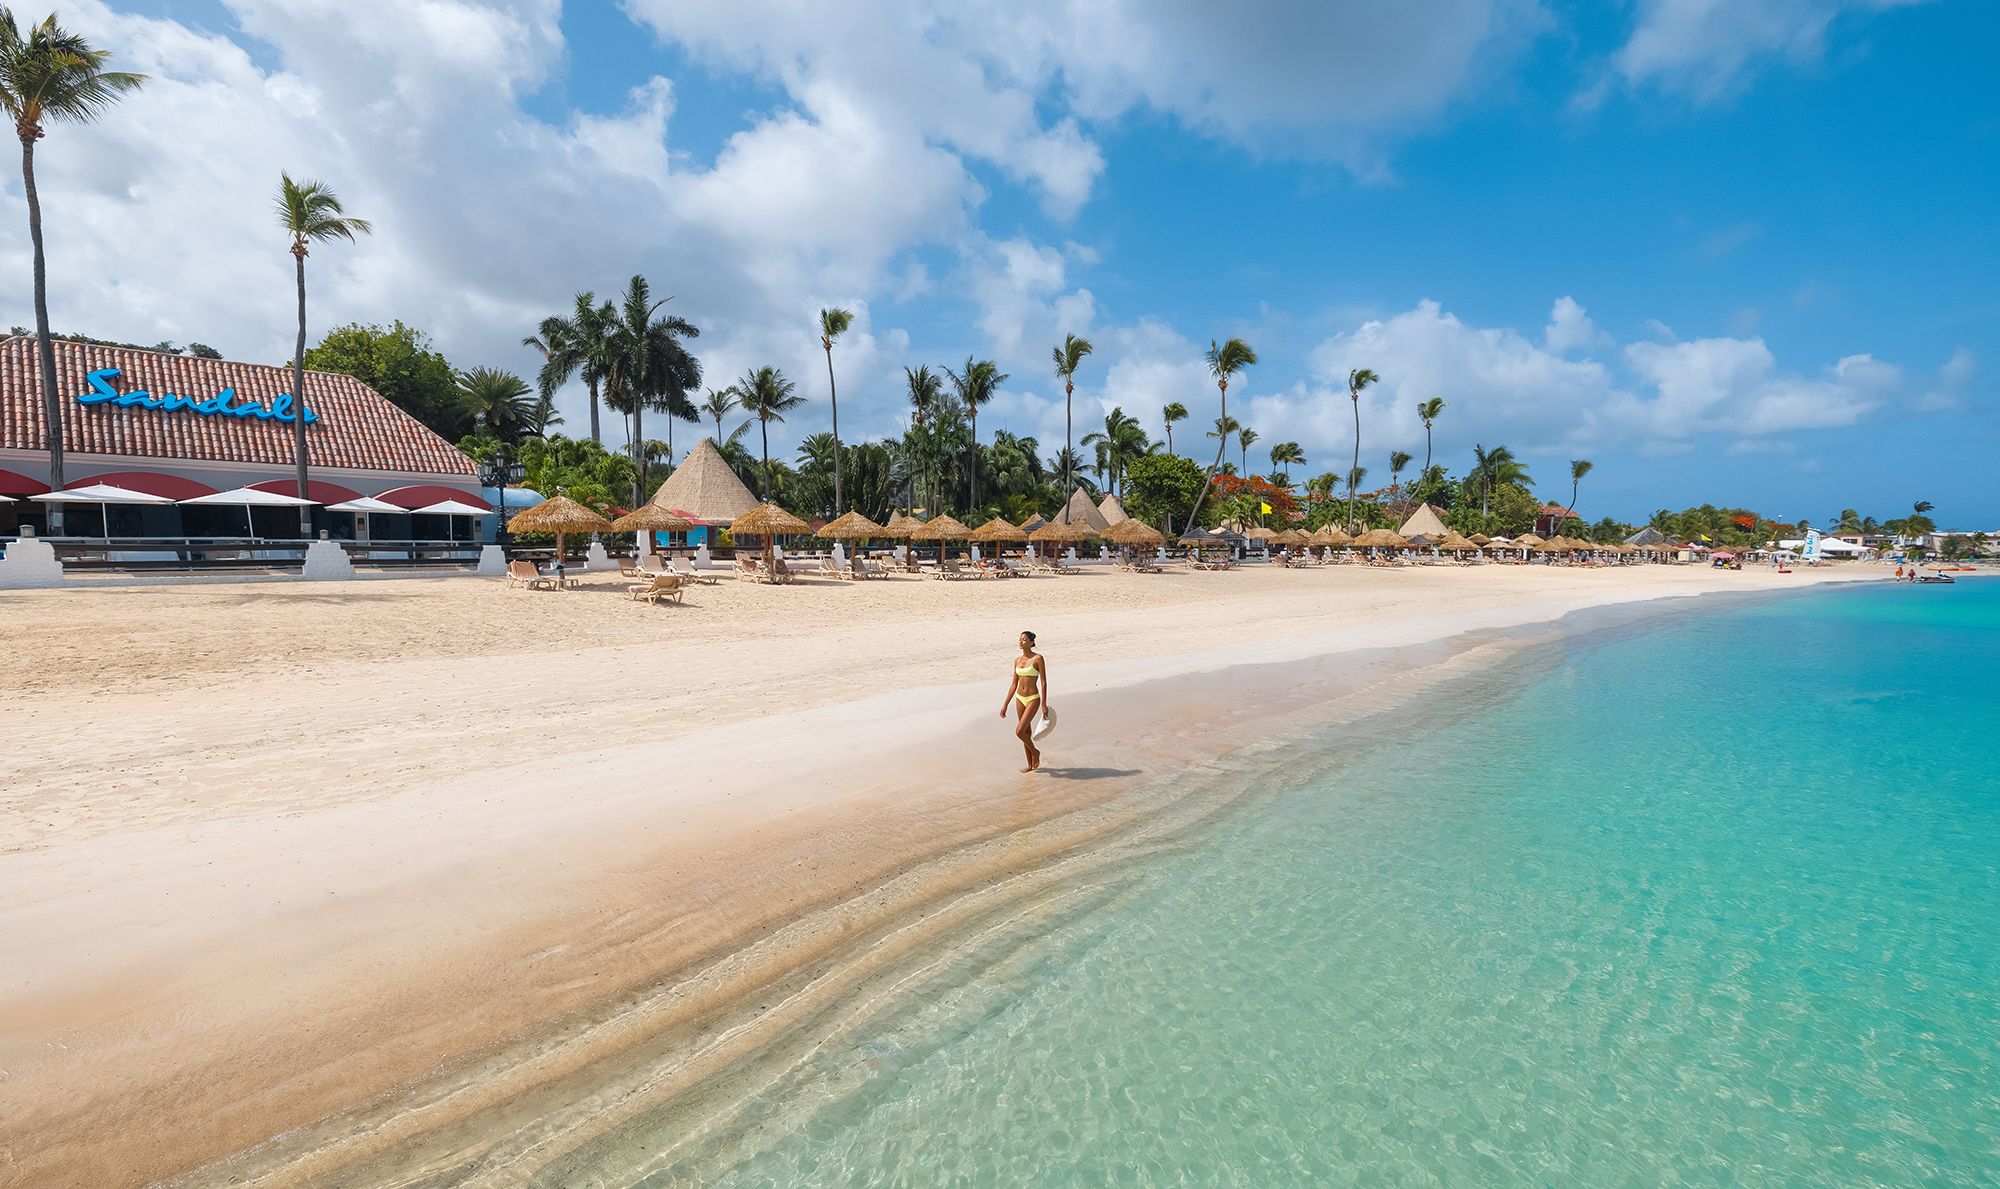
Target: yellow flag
[1266,508]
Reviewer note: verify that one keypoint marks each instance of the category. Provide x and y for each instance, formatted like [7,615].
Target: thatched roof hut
[1056,531]
[1082,511]
[1112,511]
[999,529]
[1135,532]
[1426,521]
[767,520]
[651,519]
[1380,538]
[940,528]
[1648,537]
[852,527]
[560,515]
[704,487]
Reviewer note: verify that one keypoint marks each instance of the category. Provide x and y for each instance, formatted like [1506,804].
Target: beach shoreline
[344,954]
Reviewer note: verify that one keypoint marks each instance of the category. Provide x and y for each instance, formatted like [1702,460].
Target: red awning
[317,490]
[423,495]
[167,487]
[13,484]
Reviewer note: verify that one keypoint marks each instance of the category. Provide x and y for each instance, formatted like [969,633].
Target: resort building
[178,427]
[1426,522]
[705,490]
[1548,521]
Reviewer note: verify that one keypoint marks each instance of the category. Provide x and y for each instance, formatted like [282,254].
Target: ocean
[1710,898]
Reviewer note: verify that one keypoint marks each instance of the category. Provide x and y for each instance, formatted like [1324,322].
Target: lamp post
[498,471]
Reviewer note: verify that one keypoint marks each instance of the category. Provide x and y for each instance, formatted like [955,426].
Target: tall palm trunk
[1573,484]
[833,399]
[1170,437]
[1069,480]
[1209,480]
[45,347]
[1356,465]
[1426,476]
[299,396]
[972,470]
[764,428]
[639,452]
[596,434]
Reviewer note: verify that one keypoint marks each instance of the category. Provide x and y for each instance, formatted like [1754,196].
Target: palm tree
[926,391]
[1429,410]
[832,324]
[1495,467]
[503,400]
[647,367]
[1223,362]
[976,386]
[1398,459]
[1122,440]
[1175,411]
[718,405]
[1285,455]
[51,76]
[1068,358]
[309,211]
[1245,438]
[1578,468]
[1355,475]
[767,396]
[1357,379]
[577,345]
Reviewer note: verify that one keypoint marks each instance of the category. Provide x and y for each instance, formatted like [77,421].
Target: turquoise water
[1711,901]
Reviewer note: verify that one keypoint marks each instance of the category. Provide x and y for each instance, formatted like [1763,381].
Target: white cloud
[1570,328]
[1706,48]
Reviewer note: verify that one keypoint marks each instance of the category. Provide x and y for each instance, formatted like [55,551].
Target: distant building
[1549,520]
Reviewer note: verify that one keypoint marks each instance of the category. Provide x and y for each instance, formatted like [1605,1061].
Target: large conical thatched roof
[559,514]
[1380,538]
[1647,536]
[1111,510]
[767,520]
[703,486]
[1082,511]
[1424,522]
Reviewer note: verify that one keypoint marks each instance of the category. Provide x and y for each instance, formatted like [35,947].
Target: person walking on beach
[1027,691]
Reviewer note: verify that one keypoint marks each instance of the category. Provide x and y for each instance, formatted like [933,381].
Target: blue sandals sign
[222,404]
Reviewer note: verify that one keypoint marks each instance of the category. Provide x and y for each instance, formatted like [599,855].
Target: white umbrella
[451,508]
[251,497]
[365,503]
[100,493]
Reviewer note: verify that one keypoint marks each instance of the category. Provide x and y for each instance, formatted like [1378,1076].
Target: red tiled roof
[357,427]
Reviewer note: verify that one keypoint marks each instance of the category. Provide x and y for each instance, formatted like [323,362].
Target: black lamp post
[498,472]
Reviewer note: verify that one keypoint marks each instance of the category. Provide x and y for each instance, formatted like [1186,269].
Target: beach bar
[175,428]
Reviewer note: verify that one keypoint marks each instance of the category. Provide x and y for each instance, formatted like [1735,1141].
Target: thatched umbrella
[1552,545]
[1480,539]
[940,529]
[852,527]
[770,522]
[1453,543]
[1527,541]
[999,529]
[1055,532]
[1136,533]
[1379,538]
[1260,533]
[560,515]
[1291,537]
[651,519]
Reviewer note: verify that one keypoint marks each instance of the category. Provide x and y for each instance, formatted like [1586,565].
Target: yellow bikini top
[1027,672]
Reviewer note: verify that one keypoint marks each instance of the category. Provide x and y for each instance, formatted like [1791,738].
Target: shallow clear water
[1715,901]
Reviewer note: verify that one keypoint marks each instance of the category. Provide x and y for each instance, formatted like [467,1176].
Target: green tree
[1494,469]
[1068,358]
[1398,459]
[648,366]
[310,213]
[1429,411]
[832,324]
[767,395]
[1122,440]
[1224,362]
[398,362]
[976,386]
[501,401]
[1161,489]
[1245,438]
[579,346]
[1578,468]
[1175,411]
[926,393]
[718,405]
[51,76]
[1284,456]
[1357,379]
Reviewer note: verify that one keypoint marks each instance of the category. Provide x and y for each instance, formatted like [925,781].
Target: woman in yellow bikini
[1027,690]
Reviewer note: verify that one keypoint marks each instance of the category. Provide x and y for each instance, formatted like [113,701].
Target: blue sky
[1734,252]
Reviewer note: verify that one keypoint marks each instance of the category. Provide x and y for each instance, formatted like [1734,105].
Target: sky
[1732,251]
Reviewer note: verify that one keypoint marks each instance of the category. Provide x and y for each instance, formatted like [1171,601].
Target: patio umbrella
[1135,533]
[1453,543]
[1055,532]
[1480,539]
[770,522]
[1527,541]
[1291,537]
[940,529]
[248,498]
[1260,533]
[365,503]
[99,493]
[452,508]
[999,529]
[853,527]
[560,515]
[1379,538]
[651,519]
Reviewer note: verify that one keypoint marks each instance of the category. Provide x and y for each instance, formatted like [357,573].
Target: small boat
[1937,579]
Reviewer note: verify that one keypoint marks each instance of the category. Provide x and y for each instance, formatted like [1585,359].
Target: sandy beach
[350,864]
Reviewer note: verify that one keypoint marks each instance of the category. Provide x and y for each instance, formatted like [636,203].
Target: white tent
[248,498]
[365,503]
[1828,547]
[452,508]
[99,493]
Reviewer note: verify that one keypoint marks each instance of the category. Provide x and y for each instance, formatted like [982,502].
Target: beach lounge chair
[750,569]
[524,573]
[832,569]
[686,572]
[780,572]
[631,569]
[870,568]
[664,586]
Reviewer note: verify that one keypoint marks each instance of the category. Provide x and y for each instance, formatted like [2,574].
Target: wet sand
[391,870]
